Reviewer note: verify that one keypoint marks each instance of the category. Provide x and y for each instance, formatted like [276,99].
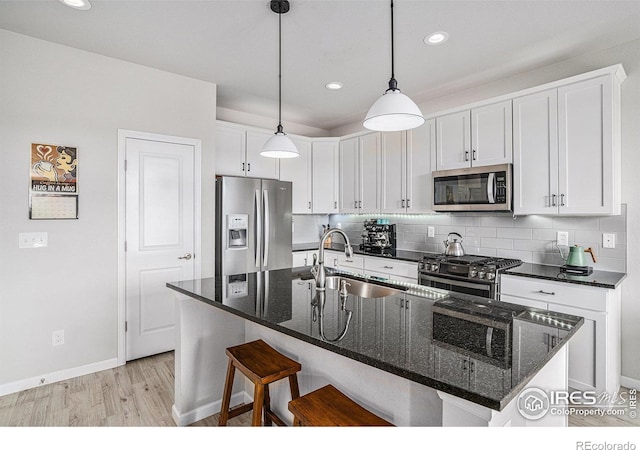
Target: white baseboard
[206,410]
[53,377]
[629,382]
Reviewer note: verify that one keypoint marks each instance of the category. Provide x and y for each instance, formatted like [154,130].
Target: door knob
[186,256]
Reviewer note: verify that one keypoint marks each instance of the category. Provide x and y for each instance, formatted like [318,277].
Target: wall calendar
[54,189]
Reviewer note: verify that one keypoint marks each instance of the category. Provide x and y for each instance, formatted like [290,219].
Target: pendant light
[394,111]
[279,145]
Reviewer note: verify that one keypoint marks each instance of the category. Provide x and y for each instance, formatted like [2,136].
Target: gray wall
[55,94]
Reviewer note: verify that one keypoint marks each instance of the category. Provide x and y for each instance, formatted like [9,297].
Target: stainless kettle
[453,248]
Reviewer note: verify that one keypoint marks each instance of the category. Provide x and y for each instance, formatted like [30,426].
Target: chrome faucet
[319,273]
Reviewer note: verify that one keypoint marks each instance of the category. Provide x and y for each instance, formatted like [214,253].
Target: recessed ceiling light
[436,38]
[333,85]
[77,4]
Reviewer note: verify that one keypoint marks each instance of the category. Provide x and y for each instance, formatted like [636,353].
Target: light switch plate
[563,238]
[32,240]
[608,240]
[431,231]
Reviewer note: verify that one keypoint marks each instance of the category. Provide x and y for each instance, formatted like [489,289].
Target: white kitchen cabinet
[360,174]
[304,258]
[567,149]
[480,136]
[324,154]
[594,352]
[391,269]
[238,152]
[406,169]
[298,171]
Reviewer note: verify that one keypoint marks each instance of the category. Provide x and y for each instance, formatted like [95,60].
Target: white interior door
[160,239]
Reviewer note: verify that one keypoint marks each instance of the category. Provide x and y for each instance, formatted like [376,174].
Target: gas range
[471,267]
[470,274]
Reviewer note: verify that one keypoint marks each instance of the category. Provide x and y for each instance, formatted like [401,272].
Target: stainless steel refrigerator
[253,225]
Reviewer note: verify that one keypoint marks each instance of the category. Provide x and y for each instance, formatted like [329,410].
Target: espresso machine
[378,236]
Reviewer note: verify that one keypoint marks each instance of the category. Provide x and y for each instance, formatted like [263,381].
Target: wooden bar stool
[328,407]
[263,365]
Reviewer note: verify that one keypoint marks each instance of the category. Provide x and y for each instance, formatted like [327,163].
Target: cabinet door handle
[335,205]
[553,200]
[243,167]
[466,155]
[561,199]
[248,167]
[309,205]
[474,155]
[408,204]
[359,203]
[402,203]
[545,292]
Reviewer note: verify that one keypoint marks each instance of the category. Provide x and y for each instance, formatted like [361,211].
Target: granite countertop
[599,278]
[402,255]
[396,332]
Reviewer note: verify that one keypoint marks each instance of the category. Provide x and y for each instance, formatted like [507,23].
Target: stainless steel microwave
[486,188]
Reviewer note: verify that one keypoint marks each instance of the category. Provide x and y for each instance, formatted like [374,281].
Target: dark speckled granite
[599,278]
[403,255]
[393,333]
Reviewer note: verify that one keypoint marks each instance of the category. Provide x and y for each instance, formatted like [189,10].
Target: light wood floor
[139,393]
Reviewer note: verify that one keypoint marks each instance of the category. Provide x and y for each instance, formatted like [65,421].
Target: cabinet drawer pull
[545,292]
[388,267]
[348,260]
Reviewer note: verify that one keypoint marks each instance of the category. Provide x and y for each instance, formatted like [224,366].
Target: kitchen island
[398,354]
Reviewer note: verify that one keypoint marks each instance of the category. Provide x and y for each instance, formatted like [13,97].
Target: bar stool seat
[262,365]
[328,407]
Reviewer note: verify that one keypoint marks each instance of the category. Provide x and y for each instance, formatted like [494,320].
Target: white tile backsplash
[529,238]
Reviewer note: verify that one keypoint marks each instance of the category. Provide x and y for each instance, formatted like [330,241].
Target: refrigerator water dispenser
[237,224]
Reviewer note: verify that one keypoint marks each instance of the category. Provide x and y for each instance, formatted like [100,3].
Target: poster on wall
[54,188]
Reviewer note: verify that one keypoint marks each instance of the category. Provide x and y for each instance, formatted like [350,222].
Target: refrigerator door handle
[258,227]
[265,195]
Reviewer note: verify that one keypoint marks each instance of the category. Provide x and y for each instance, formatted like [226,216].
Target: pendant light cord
[280,73]
[393,84]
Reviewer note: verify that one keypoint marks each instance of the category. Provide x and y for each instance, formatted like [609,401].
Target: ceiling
[234,43]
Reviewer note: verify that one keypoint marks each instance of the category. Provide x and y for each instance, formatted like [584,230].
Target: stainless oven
[485,188]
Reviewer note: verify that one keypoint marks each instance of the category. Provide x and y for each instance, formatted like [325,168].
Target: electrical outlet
[32,240]
[431,231]
[57,337]
[563,238]
[608,240]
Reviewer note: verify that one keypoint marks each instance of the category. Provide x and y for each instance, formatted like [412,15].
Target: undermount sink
[361,288]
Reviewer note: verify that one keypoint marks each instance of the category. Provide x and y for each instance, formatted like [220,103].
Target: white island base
[204,332]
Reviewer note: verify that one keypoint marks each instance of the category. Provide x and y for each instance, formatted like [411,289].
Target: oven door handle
[478,286]
[491,187]
[489,341]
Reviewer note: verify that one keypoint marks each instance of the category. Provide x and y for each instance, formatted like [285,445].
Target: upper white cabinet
[298,171]
[567,150]
[360,174]
[238,152]
[324,165]
[406,169]
[480,136]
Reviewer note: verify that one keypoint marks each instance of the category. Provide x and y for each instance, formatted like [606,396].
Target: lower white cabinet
[594,352]
[304,258]
[391,269]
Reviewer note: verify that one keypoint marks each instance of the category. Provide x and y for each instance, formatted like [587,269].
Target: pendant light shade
[279,145]
[394,111]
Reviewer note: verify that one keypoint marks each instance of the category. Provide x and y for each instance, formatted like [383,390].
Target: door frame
[123,134]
